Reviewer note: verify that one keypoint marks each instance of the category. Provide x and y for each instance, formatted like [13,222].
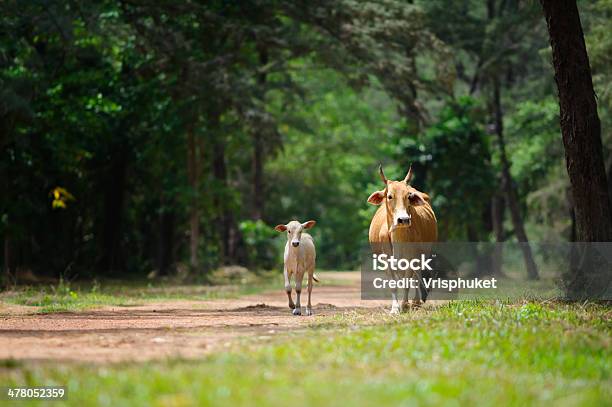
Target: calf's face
[294,230]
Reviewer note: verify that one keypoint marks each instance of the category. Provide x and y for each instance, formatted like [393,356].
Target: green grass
[462,353]
[70,297]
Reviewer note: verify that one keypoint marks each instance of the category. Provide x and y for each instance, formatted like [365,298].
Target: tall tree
[580,126]
[258,142]
[193,175]
[509,188]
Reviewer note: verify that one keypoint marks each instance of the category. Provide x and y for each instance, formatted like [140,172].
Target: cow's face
[398,197]
[294,230]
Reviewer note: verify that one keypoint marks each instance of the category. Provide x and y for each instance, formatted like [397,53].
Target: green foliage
[259,238]
[533,140]
[384,39]
[98,99]
[327,168]
[538,166]
[599,47]
[460,173]
[453,165]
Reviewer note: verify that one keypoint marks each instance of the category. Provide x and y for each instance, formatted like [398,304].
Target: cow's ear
[376,198]
[417,198]
[280,228]
[309,224]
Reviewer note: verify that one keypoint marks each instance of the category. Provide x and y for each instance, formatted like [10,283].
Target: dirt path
[168,329]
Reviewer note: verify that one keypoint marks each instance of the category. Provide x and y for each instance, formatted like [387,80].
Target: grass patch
[69,297]
[82,295]
[462,353]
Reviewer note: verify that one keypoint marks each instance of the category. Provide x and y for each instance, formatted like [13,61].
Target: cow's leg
[423,289]
[298,292]
[416,302]
[288,289]
[309,306]
[406,299]
[395,305]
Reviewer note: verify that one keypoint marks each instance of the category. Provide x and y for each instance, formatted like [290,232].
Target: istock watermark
[385,262]
[471,270]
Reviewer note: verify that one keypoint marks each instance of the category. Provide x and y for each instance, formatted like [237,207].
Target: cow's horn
[382,174]
[409,175]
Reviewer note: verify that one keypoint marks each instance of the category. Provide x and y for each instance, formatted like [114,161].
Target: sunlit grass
[467,353]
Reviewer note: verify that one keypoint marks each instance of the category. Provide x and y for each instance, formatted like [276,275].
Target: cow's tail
[315,278]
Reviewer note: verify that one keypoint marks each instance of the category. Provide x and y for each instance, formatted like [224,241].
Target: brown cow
[404,216]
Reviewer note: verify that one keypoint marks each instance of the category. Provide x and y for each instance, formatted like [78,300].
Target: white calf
[299,258]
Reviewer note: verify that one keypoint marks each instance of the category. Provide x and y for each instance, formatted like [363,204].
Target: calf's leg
[298,292]
[309,306]
[288,289]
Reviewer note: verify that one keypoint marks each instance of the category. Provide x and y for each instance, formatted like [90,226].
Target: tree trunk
[165,244]
[482,265]
[194,183]
[8,277]
[258,180]
[508,187]
[608,177]
[225,223]
[589,273]
[258,146]
[224,218]
[497,220]
[111,258]
[580,126]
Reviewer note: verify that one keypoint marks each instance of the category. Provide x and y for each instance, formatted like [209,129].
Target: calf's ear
[376,198]
[280,228]
[309,224]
